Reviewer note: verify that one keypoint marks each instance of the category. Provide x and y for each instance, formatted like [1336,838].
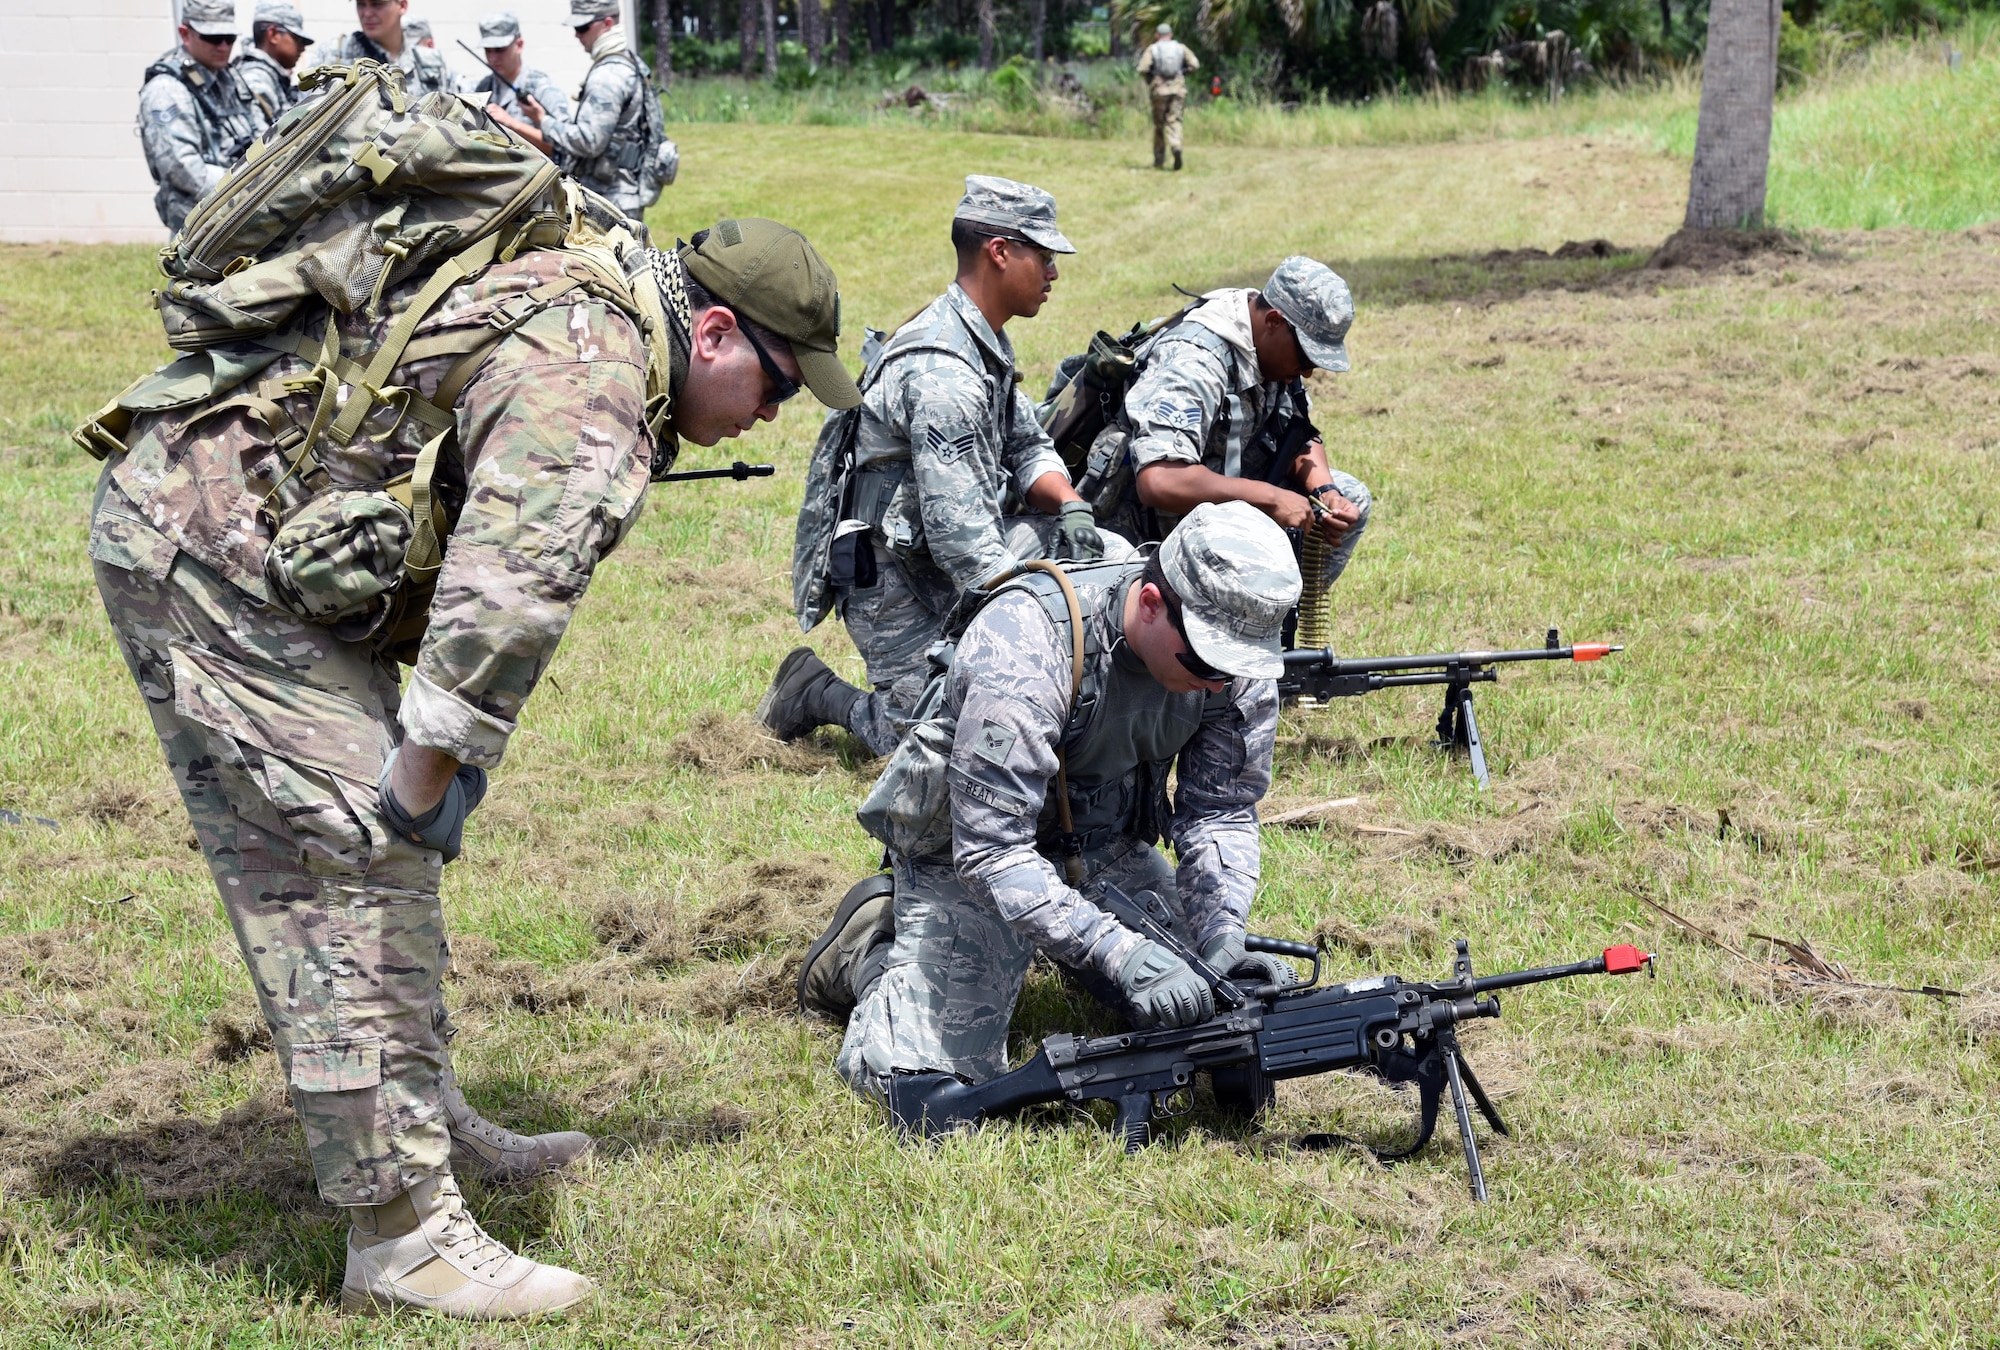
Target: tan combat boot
[866,918]
[424,1250]
[493,1154]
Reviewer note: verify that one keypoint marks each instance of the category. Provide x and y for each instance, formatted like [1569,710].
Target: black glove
[1225,953]
[1077,524]
[443,826]
[1162,989]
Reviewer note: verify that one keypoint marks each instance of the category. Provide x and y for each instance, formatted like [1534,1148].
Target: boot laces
[459,1229]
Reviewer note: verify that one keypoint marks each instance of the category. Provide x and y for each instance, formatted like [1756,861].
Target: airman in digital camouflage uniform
[948,463]
[500,37]
[1214,396]
[325,798]
[1164,67]
[381,37]
[277,41]
[602,140]
[196,117]
[1181,648]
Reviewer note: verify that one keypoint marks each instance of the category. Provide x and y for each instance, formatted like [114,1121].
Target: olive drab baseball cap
[769,273]
[1315,300]
[1232,567]
[1012,209]
[210,18]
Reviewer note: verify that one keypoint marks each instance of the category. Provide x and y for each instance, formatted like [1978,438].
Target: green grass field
[1773,481]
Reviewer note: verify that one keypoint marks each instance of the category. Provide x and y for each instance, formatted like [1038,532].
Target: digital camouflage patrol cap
[583,13]
[210,18]
[417,30]
[1011,210]
[770,274]
[498,30]
[1232,567]
[1314,299]
[280,14]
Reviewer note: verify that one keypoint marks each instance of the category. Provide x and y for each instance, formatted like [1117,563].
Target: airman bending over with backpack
[1053,780]
[270,539]
[1218,411]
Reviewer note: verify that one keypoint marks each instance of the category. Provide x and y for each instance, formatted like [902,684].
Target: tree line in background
[1280,49]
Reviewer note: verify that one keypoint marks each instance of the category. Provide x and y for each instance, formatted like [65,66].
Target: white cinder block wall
[70,163]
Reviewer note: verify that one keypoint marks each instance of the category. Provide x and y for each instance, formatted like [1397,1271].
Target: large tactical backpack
[349,198]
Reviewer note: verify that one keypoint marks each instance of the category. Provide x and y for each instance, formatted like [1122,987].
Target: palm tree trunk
[1041,29]
[1732,142]
[812,29]
[843,15]
[770,39]
[986,34]
[663,43]
[746,33]
[1666,18]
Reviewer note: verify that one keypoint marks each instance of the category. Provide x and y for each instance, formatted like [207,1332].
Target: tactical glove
[1225,953]
[1077,525]
[443,826]
[1161,988]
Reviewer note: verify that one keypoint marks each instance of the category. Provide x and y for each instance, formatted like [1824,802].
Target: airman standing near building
[605,141]
[196,116]
[952,475]
[277,41]
[1165,65]
[381,37]
[511,77]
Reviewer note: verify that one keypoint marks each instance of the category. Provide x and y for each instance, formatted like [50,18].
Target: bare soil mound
[1706,250]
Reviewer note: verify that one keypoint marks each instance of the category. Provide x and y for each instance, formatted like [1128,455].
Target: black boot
[1177,161]
[805,694]
[830,981]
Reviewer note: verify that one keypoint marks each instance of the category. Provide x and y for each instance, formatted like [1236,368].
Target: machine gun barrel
[740,471]
[1318,674]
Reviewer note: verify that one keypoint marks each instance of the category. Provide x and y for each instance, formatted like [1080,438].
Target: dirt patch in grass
[733,743]
[53,959]
[255,1148]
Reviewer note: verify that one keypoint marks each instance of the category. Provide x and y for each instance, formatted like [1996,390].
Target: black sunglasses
[222,41]
[1194,665]
[783,386]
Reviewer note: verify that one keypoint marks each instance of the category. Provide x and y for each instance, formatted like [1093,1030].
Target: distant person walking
[1165,65]
[382,37]
[196,118]
[277,41]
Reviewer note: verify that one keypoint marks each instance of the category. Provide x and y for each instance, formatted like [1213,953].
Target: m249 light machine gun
[1398,1030]
[1319,674]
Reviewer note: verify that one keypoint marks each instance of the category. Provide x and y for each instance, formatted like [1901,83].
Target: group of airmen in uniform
[203,103]
[1065,654]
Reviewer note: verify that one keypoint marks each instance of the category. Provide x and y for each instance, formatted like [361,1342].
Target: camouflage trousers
[894,629]
[275,733]
[1167,125]
[945,995]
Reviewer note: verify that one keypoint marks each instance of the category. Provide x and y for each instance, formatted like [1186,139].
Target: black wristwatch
[1321,490]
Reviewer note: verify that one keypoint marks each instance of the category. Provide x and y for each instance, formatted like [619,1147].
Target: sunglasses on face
[783,386]
[1193,664]
[374,4]
[214,41]
[1306,366]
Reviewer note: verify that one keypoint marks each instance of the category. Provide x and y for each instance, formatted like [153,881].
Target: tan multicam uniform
[276,728]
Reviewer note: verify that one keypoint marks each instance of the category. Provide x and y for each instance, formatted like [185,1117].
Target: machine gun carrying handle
[1298,951]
